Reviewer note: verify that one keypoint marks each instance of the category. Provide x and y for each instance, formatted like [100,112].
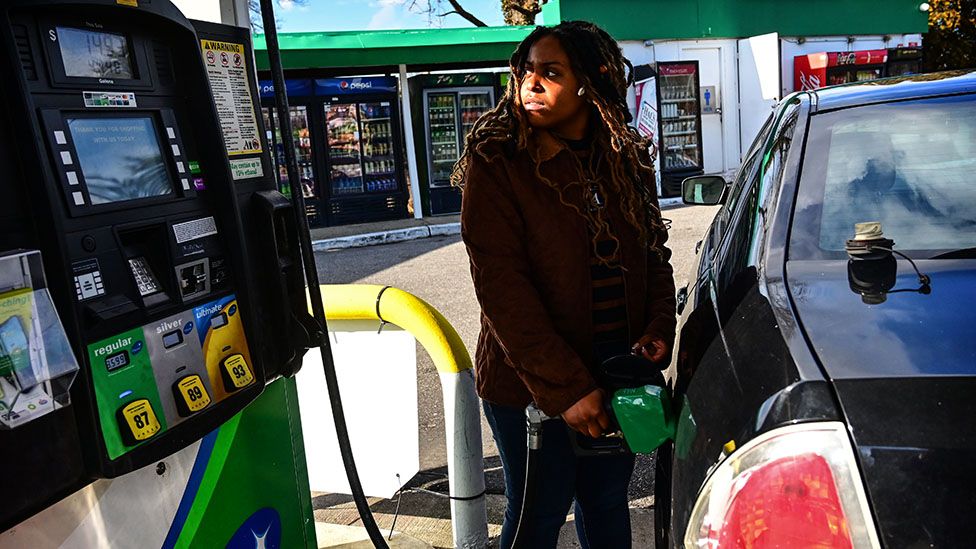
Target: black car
[827,381]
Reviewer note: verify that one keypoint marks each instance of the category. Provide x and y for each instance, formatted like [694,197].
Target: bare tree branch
[466,14]
[521,12]
[526,12]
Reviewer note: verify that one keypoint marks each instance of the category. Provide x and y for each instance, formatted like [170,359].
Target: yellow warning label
[221,46]
[230,81]
[132,3]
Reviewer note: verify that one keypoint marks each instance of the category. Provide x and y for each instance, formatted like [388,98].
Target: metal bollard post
[462,408]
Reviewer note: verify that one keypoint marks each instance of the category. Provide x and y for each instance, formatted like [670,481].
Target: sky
[340,15]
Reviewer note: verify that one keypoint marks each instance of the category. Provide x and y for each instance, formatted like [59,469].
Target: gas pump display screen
[90,54]
[120,158]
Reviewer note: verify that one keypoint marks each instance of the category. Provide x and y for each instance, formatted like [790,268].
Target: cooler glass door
[442,134]
[473,105]
[680,117]
[379,163]
[345,159]
[303,154]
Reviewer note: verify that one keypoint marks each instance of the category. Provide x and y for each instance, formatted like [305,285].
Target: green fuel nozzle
[645,417]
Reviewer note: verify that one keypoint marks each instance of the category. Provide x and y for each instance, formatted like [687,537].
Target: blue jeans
[598,484]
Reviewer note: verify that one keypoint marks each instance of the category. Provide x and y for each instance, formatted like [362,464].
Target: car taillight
[797,486]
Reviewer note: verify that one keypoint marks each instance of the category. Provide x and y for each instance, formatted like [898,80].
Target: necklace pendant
[595,197]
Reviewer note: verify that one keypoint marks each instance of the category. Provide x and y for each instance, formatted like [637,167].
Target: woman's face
[549,91]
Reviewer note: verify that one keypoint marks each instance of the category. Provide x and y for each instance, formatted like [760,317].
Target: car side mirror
[703,190]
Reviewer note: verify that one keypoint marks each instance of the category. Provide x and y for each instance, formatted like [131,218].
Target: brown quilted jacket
[530,262]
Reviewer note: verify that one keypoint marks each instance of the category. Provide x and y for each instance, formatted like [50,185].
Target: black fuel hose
[534,419]
[312,277]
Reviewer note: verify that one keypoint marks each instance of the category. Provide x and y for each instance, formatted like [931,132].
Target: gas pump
[149,215]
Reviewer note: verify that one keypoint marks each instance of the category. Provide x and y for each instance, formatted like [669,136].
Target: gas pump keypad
[237,374]
[191,395]
[137,421]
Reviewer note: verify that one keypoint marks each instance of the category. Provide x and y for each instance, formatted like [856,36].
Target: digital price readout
[218,321]
[117,360]
[172,339]
[91,54]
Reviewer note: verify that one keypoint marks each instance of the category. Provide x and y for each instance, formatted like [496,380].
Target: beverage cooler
[817,70]
[347,143]
[902,61]
[448,105]
[680,148]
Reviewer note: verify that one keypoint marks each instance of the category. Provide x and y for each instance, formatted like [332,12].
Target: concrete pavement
[399,230]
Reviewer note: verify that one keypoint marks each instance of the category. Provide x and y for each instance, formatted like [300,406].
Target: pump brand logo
[167,326]
[209,311]
[116,345]
[262,530]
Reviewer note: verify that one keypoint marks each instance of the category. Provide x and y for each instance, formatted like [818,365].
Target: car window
[746,172]
[909,165]
[742,235]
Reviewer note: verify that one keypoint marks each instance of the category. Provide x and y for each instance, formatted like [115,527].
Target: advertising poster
[647,120]
[227,71]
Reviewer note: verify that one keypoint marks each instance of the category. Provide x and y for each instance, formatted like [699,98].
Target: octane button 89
[191,395]
[138,421]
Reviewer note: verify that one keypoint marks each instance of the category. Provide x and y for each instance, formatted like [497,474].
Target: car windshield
[910,165]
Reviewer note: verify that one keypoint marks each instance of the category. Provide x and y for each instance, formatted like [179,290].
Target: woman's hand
[651,348]
[587,416]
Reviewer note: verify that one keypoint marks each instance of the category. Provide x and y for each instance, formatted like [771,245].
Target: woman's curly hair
[605,74]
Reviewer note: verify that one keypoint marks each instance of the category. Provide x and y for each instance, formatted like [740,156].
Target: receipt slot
[157,218]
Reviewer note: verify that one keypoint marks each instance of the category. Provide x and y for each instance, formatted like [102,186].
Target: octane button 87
[138,421]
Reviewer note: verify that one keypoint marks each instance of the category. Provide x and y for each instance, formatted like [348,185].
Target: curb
[386,237]
[669,202]
[413,233]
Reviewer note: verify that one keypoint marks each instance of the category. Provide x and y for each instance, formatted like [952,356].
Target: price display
[117,360]
[91,54]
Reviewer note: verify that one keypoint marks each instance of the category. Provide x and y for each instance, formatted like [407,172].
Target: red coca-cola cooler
[816,70]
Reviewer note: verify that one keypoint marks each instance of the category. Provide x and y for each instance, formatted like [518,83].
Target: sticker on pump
[138,421]
[236,372]
[191,395]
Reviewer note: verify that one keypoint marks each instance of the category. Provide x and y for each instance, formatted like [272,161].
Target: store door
[759,84]
[712,130]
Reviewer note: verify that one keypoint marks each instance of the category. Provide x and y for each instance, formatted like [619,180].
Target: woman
[566,245]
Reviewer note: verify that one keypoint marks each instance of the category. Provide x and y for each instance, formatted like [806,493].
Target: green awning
[364,49]
[694,19]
